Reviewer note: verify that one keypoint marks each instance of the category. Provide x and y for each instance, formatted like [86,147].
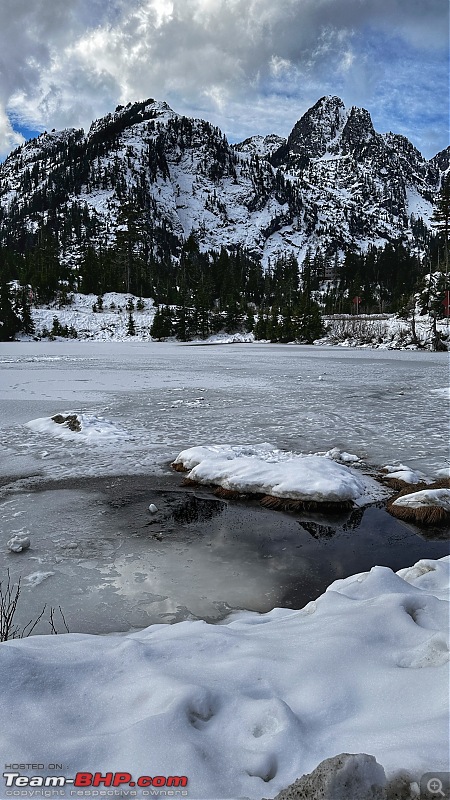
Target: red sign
[446,303]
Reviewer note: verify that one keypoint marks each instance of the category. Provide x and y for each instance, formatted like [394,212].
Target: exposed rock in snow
[76,426]
[343,777]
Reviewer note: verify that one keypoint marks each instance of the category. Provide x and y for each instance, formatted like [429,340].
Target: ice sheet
[166,397]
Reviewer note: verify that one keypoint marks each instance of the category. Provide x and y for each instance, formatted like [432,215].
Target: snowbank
[227,338]
[405,474]
[386,332]
[264,470]
[245,707]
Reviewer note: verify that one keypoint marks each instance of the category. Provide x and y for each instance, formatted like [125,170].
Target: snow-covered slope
[335,182]
[111,322]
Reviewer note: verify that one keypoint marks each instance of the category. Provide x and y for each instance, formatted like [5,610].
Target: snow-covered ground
[244,708]
[111,323]
[105,324]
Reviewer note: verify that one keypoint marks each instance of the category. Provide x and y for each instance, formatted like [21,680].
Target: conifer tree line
[199,293]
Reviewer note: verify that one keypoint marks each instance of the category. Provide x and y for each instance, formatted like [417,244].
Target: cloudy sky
[249,66]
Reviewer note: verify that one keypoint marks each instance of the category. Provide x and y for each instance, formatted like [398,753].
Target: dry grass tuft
[288,504]
[425,515]
[397,484]
[189,482]
[442,483]
[179,467]
[228,494]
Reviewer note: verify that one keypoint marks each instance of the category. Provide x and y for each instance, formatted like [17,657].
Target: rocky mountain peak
[312,134]
[334,184]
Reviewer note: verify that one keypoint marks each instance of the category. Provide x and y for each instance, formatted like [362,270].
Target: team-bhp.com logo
[95,780]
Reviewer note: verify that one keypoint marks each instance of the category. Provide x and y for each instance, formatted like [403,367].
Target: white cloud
[9,138]
[224,59]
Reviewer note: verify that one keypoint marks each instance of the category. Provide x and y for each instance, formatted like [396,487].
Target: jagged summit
[312,134]
[333,184]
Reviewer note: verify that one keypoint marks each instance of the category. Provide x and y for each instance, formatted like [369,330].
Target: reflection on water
[319,525]
[111,564]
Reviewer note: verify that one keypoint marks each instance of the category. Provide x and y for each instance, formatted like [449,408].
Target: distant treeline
[227,290]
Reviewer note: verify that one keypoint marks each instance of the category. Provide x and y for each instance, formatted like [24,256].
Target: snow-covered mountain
[334,183]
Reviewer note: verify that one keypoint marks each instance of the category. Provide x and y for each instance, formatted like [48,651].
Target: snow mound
[405,474]
[439,498]
[17,544]
[341,456]
[263,470]
[245,707]
[76,426]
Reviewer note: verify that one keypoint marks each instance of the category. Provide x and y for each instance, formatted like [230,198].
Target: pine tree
[250,319]
[260,329]
[27,325]
[273,326]
[162,324]
[10,324]
[310,325]
[441,216]
[131,328]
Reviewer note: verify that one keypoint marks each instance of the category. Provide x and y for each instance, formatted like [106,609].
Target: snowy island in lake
[263,470]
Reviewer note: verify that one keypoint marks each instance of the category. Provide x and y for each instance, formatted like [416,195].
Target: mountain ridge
[334,184]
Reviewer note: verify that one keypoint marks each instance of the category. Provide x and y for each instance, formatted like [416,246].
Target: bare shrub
[360,330]
[9,598]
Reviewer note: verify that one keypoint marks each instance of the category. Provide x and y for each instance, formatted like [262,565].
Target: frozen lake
[93,551]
